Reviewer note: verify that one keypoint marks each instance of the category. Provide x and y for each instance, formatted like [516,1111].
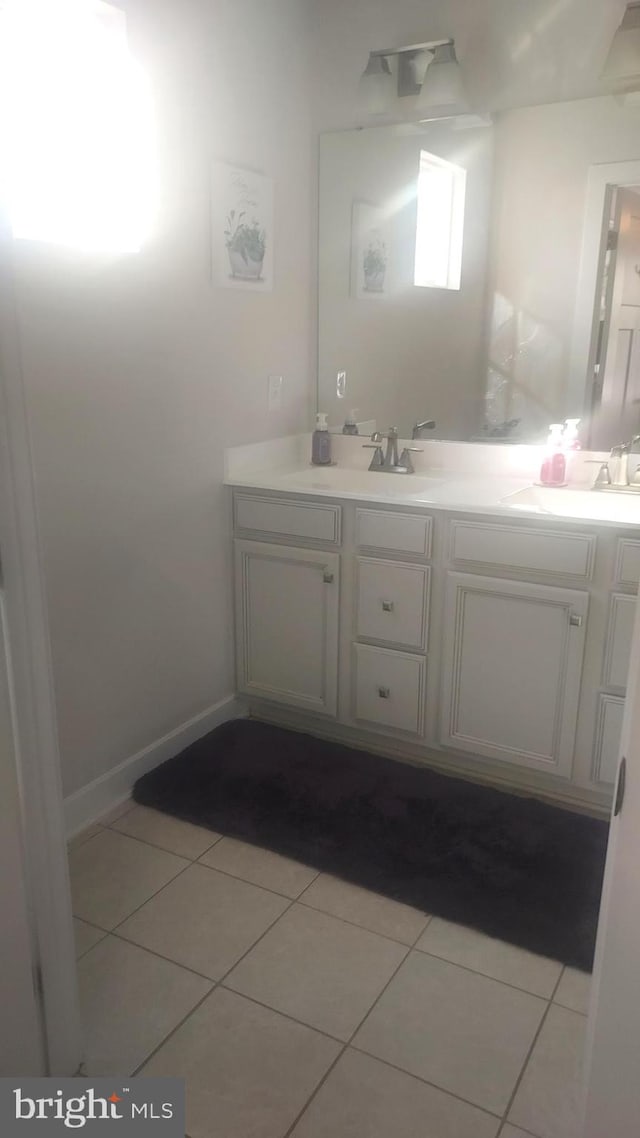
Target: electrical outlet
[274,392]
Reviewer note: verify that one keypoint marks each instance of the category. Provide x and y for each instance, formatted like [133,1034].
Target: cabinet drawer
[618,647]
[288,517]
[389,688]
[404,533]
[607,739]
[513,547]
[392,603]
[627,571]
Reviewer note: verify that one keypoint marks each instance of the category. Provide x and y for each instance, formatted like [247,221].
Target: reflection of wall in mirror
[616,384]
[419,354]
[543,155]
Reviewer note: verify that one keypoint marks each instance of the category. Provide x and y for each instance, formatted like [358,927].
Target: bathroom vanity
[443,618]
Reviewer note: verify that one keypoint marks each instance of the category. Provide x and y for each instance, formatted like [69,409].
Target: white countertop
[508,491]
[464,493]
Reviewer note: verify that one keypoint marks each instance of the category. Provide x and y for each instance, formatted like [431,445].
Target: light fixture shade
[377,87]
[623,59]
[443,90]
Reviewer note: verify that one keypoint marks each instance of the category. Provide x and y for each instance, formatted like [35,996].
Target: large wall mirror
[484,275]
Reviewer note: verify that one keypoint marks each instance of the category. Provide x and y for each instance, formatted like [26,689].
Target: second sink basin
[566,503]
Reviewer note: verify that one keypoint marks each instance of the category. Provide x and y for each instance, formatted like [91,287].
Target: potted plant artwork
[246,245]
[374,264]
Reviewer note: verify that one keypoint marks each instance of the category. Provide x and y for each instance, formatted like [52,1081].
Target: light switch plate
[341,384]
[274,392]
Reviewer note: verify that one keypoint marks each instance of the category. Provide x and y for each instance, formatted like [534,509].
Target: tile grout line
[527,1133]
[522,1129]
[266,888]
[426,1082]
[168,1036]
[518,1082]
[347,1044]
[278,1012]
[82,955]
[341,1052]
[365,928]
[161,956]
[162,849]
[475,972]
[137,909]
[79,840]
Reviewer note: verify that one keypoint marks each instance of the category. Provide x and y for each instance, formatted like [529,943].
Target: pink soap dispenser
[553,471]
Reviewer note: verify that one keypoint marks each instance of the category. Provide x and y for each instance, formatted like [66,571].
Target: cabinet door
[287,624]
[512,664]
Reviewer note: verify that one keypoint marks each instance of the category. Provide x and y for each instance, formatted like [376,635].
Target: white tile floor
[295,1004]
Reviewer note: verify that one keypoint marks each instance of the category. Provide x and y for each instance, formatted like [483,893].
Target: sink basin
[341,480]
[566,503]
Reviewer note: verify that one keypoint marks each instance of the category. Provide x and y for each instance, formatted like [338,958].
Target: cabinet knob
[327,577]
[576,620]
[387,606]
[384,693]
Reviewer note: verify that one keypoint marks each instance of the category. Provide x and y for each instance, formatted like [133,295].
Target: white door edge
[31,682]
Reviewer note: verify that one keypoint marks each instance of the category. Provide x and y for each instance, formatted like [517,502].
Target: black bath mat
[512,867]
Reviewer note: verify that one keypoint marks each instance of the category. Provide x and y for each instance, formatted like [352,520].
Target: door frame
[601,178]
[33,704]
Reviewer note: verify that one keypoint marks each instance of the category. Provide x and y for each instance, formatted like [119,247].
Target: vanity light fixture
[622,64]
[429,70]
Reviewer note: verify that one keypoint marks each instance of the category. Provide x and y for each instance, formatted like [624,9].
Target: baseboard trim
[110,789]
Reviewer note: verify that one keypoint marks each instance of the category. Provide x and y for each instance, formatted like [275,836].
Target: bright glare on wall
[440,225]
[76,127]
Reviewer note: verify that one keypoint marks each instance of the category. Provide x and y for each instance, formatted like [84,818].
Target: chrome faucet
[620,473]
[418,428]
[389,463]
[614,474]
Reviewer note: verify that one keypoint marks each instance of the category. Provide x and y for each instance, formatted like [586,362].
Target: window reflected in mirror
[440,222]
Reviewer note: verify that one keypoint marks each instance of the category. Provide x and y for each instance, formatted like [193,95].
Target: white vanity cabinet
[287,604]
[488,646]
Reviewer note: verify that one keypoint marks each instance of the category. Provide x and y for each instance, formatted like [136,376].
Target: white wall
[139,372]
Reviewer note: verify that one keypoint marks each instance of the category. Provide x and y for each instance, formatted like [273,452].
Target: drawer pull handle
[384,693]
[387,606]
[575,620]
[327,578]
